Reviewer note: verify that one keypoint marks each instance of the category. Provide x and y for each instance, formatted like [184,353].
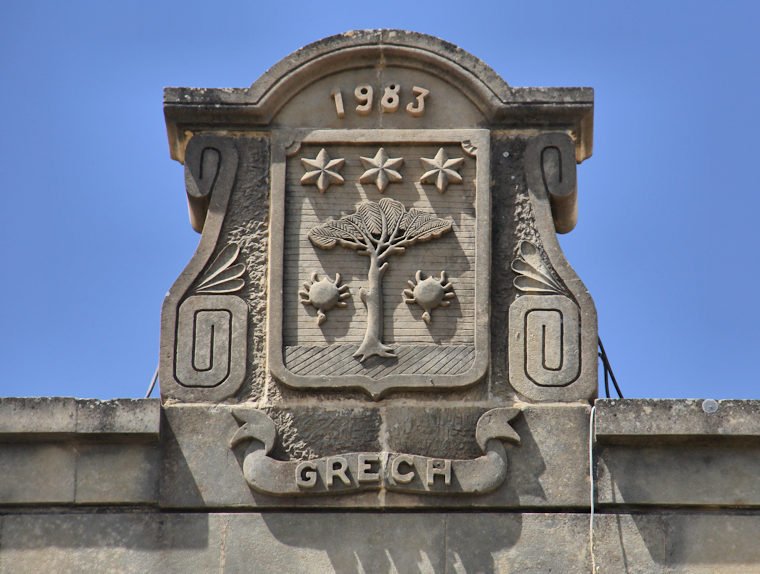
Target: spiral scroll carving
[545,341]
[211,341]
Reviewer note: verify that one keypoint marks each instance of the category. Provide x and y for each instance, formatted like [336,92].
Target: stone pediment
[378,216]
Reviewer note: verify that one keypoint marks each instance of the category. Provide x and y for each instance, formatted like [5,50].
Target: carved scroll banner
[359,471]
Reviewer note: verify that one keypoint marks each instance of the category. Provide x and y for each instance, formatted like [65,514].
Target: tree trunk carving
[378,230]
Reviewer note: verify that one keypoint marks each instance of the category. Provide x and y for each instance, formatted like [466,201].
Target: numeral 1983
[389,101]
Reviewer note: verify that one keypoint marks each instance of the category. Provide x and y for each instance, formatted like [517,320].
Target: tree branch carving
[378,230]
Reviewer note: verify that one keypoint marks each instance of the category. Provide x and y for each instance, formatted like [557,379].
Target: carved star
[381,169]
[441,170]
[323,172]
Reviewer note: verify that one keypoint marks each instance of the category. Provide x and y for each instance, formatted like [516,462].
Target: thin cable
[591,431]
[152,383]
[608,368]
[606,378]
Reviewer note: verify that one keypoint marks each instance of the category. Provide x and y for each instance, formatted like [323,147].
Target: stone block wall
[90,486]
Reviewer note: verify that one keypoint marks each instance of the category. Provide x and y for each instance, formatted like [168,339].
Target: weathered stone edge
[62,417]
[193,108]
[202,98]
[621,421]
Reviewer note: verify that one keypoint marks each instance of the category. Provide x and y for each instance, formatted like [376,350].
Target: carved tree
[378,230]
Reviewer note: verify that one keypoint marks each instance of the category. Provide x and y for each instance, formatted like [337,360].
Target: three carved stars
[442,170]
[381,169]
[324,171]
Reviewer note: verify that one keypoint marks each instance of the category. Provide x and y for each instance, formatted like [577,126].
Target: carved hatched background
[446,345]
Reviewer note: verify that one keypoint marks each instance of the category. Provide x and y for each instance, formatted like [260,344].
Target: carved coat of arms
[380,255]
[379,215]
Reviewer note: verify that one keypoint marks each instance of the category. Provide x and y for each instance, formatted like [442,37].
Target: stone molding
[654,454]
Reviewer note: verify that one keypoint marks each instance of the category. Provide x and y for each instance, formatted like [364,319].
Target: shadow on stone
[177,482]
[400,542]
[473,540]
[526,464]
[694,538]
[127,530]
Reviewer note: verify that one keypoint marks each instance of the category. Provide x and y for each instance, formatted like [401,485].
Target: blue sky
[95,222]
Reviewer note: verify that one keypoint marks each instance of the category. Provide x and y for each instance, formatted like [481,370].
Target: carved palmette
[544,346]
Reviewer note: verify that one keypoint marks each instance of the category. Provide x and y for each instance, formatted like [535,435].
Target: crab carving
[324,294]
[429,293]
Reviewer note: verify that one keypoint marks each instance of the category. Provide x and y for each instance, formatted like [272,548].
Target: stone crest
[378,304]
[343,207]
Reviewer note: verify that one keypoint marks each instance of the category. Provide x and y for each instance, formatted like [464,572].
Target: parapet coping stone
[63,417]
[616,420]
[621,421]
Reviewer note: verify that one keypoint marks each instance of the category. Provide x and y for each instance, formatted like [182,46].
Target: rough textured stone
[391,399]
[117,474]
[696,475]
[626,421]
[123,542]
[34,418]
[247,225]
[381,144]
[37,473]
[433,431]
[548,469]
[677,543]
[527,543]
[677,452]
[200,469]
[311,432]
[691,472]
[129,417]
[37,416]
[67,451]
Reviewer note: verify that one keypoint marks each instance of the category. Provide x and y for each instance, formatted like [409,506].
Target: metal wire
[152,383]
[591,435]
[608,374]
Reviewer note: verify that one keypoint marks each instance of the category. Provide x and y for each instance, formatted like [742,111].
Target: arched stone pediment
[379,215]
[381,51]
[467,93]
